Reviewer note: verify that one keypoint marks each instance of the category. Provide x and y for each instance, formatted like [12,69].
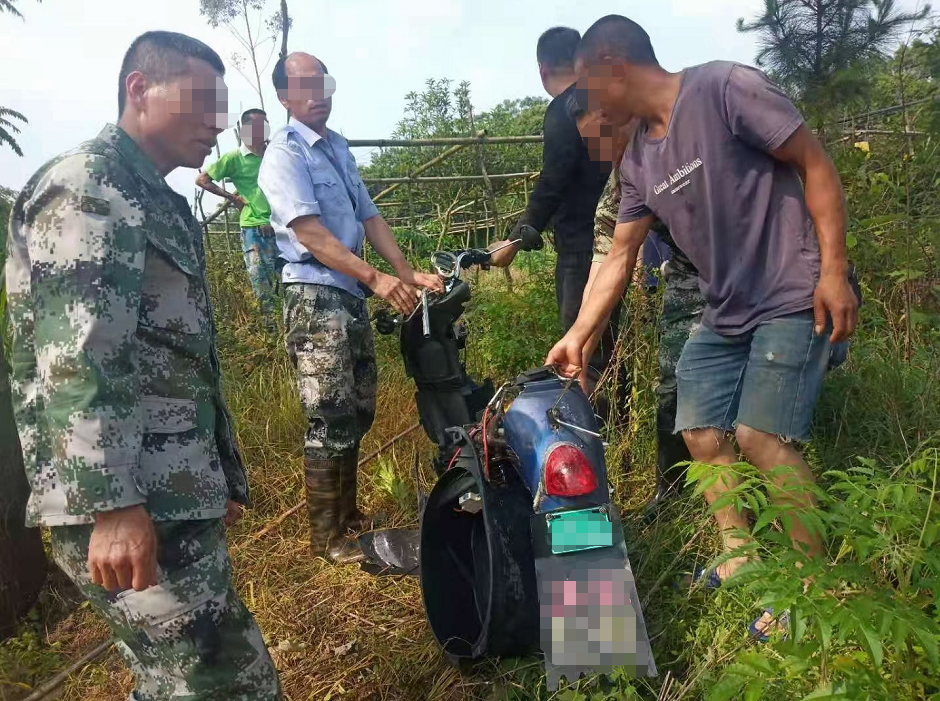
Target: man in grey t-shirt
[725,161]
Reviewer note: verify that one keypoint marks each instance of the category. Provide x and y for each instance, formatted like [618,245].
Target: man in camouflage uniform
[322,214]
[683,305]
[128,445]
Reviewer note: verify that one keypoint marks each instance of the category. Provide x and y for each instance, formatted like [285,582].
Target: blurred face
[599,137]
[604,90]
[309,94]
[182,118]
[256,132]
[605,142]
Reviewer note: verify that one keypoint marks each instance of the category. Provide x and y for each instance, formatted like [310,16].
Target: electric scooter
[520,547]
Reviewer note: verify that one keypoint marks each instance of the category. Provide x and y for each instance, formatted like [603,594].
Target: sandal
[711,579]
[783,621]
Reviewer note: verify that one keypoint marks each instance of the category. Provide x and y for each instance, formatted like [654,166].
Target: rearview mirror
[444,263]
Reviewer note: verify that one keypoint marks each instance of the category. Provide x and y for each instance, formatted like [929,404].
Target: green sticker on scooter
[572,531]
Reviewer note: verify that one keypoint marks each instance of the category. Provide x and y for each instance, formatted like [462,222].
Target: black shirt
[570,184]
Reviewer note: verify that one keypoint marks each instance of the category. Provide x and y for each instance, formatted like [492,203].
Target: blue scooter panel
[531,434]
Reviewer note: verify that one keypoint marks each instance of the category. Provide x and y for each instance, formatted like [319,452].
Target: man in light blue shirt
[322,214]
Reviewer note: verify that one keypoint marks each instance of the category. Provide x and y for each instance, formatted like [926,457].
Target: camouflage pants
[189,636]
[683,305]
[329,341]
[260,251]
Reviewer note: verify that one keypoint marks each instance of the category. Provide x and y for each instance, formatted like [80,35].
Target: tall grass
[866,629]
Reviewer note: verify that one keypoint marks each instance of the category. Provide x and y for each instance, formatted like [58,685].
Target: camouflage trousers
[683,305]
[329,341]
[260,251]
[189,636]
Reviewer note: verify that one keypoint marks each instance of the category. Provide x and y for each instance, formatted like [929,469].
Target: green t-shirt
[241,167]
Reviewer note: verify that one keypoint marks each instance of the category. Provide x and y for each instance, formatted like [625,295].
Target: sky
[60,64]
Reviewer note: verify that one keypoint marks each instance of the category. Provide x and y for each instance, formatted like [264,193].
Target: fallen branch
[273,525]
[43,691]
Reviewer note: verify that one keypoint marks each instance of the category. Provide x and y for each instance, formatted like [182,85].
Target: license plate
[586,529]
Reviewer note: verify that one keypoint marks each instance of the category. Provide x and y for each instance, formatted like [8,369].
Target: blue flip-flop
[710,577]
[783,620]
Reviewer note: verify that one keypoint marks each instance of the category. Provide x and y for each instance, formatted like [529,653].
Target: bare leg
[765,451]
[714,447]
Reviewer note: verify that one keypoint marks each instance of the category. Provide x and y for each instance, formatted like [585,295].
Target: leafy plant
[865,626]
[815,48]
[7,126]
[257,34]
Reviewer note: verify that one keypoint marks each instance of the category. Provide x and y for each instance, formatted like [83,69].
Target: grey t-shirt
[737,213]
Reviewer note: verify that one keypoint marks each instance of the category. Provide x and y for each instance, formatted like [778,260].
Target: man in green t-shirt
[241,168]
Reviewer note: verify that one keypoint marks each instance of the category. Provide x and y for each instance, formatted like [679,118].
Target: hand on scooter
[396,292]
[567,356]
[430,281]
[524,238]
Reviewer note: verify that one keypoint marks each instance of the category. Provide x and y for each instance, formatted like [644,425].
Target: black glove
[531,240]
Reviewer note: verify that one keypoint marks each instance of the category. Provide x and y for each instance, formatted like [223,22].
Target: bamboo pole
[455,141]
[420,169]
[447,178]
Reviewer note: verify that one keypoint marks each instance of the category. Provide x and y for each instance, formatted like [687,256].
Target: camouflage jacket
[605,221]
[116,384]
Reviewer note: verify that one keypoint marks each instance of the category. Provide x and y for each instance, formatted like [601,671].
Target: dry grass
[336,632]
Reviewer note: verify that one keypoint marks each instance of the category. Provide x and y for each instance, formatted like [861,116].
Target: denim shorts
[768,378]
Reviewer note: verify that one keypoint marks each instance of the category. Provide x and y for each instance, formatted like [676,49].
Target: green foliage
[512,330]
[866,625]
[389,482]
[10,6]
[441,111]
[7,198]
[818,51]
[6,127]
[27,660]
[894,231]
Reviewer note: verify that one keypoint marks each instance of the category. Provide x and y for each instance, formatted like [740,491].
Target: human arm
[595,337]
[287,183]
[218,171]
[609,286]
[87,261]
[383,241]
[561,156]
[826,203]
[326,248]
[760,114]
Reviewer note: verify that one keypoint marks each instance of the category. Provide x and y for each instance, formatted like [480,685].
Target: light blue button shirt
[302,174]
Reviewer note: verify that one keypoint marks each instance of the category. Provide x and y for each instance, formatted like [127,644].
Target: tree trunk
[285,27]
[251,50]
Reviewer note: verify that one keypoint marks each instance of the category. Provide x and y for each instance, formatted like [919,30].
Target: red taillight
[568,473]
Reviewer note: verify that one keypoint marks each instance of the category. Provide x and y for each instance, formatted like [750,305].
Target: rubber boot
[351,518]
[670,478]
[324,510]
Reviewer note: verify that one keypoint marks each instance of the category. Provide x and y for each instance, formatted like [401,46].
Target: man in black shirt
[569,186]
